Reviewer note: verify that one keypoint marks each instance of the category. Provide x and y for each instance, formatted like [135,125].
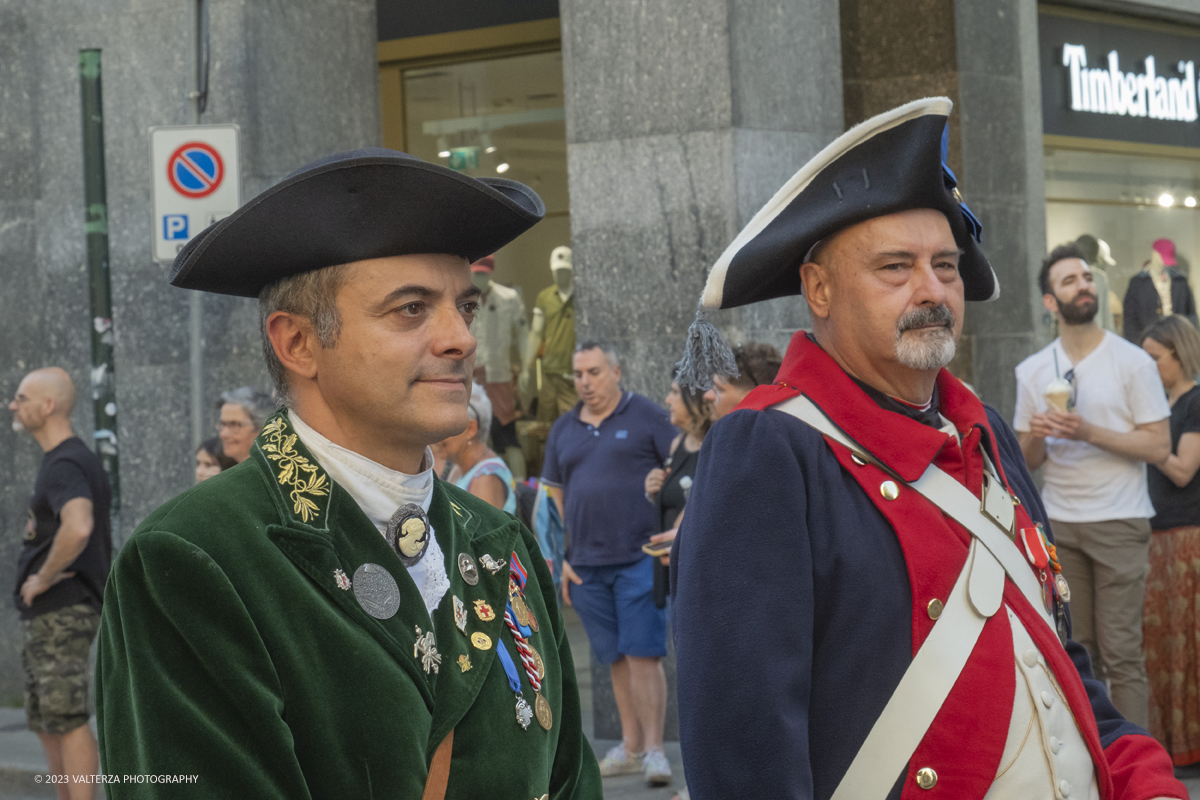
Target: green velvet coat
[227,650]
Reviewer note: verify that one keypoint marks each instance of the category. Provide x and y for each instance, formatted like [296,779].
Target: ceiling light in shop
[1189,201]
[502,168]
[488,145]
[1166,200]
[443,148]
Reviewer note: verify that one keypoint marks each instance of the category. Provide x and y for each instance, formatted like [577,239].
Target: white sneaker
[617,761]
[655,768]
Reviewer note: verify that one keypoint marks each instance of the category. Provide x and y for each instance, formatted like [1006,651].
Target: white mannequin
[499,331]
[1162,281]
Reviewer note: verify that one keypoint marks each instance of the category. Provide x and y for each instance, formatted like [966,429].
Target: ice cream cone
[1058,395]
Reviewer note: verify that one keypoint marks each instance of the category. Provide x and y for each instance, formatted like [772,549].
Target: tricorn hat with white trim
[893,162]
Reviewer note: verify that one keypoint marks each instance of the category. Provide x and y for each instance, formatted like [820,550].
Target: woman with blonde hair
[1171,625]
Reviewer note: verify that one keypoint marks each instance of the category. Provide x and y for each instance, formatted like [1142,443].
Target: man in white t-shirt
[1095,452]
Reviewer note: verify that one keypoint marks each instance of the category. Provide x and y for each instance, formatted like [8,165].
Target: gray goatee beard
[929,348]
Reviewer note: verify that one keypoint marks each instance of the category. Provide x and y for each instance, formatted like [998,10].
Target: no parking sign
[196,182]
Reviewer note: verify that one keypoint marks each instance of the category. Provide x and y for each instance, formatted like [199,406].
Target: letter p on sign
[175,226]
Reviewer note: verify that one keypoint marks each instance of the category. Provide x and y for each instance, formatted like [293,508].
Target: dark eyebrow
[416,290]
[408,290]
[907,254]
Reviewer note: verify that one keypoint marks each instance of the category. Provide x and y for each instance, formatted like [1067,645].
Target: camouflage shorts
[55,658]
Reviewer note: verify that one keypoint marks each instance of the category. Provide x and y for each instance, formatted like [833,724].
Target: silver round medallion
[376,591]
[466,566]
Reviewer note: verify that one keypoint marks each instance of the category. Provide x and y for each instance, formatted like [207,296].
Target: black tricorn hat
[354,206]
[890,163]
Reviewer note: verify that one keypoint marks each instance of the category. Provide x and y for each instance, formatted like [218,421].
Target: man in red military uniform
[868,605]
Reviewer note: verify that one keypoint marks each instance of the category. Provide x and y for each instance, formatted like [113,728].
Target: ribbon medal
[1035,546]
[524,713]
[534,666]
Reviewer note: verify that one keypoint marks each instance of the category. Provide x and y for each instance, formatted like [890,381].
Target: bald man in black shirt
[60,576]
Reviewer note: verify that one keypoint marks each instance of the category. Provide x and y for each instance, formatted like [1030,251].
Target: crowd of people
[848,546]
[1114,424]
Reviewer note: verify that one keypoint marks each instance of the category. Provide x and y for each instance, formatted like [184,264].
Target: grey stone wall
[298,78]
[682,121]
[983,56]
[1002,177]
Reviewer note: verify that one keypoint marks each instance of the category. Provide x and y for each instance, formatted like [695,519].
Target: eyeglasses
[231,425]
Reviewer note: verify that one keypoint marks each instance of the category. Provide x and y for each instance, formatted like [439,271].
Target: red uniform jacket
[802,595]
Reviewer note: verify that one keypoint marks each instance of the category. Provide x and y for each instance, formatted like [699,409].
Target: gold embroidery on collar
[293,467]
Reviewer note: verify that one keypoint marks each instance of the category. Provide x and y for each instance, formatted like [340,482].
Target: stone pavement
[21,758]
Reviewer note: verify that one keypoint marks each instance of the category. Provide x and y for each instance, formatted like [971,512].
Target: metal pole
[195,299]
[104,396]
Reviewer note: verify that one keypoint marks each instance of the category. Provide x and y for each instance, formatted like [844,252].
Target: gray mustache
[940,315]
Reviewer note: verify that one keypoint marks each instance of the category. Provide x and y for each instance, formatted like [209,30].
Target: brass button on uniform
[857,459]
[926,778]
[889,490]
[935,608]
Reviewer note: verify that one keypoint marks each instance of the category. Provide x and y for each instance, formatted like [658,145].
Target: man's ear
[1050,302]
[294,341]
[817,288]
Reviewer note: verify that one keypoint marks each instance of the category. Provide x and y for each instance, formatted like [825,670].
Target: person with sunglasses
[1095,453]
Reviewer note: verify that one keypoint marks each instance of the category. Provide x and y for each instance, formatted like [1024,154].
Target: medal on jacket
[408,532]
[425,648]
[524,713]
[460,614]
[516,597]
[376,591]
[542,708]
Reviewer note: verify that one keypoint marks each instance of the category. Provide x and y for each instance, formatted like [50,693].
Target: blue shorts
[616,605]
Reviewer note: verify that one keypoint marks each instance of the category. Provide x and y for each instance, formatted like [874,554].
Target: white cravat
[379,491]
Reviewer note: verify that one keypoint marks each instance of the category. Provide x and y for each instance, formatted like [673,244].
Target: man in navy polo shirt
[597,457]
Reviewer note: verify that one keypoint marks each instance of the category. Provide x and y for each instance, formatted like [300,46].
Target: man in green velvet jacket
[326,619]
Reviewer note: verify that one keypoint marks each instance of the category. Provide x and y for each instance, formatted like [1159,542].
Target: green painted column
[104,386]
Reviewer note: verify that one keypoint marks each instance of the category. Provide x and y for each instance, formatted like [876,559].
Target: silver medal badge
[376,591]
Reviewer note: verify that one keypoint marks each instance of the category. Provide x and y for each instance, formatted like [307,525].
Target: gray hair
[312,295]
[610,352]
[257,405]
[480,407]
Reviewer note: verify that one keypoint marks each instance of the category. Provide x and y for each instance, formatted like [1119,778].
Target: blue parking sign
[175,226]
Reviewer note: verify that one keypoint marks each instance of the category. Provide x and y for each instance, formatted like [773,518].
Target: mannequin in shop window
[499,329]
[1096,252]
[1158,291]
[548,354]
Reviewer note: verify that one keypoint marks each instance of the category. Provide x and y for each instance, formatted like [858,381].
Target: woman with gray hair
[477,468]
[1171,624]
[244,411]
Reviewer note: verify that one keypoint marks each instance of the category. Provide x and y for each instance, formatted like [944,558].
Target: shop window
[499,117]
[1129,201]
